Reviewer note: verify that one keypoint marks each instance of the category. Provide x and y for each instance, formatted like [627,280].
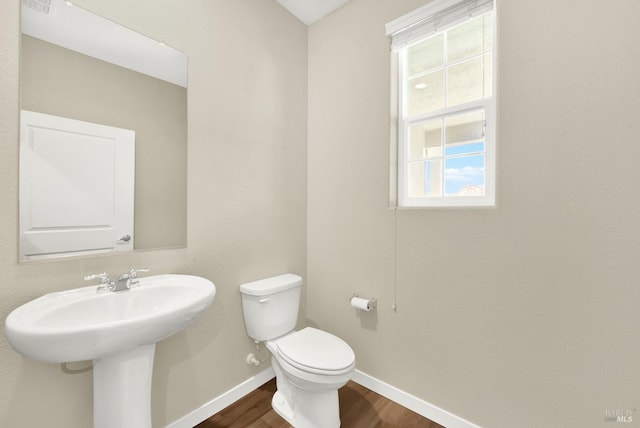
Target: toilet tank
[270,306]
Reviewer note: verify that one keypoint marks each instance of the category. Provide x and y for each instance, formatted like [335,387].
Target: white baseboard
[421,407]
[405,399]
[223,400]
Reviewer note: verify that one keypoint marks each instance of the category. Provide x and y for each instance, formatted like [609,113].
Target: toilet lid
[313,349]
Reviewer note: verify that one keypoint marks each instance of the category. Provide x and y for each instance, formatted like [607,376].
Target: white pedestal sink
[117,330]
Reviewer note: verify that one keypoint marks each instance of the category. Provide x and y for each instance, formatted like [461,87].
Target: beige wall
[61,82]
[246,200]
[525,315]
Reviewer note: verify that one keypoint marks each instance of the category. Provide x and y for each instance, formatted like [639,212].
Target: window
[446,104]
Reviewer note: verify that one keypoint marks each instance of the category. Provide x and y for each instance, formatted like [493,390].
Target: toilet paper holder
[371,303]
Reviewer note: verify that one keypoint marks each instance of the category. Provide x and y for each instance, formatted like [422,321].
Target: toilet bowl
[310,364]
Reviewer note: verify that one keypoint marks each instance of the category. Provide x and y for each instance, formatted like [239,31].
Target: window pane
[488,31]
[488,75]
[433,176]
[425,140]
[425,55]
[464,128]
[425,93]
[466,82]
[464,176]
[425,179]
[417,180]
[466,40]
[464,149]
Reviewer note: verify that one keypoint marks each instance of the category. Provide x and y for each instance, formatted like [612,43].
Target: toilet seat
[316,351]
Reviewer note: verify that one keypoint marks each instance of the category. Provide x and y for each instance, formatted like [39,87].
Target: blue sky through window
[461,172]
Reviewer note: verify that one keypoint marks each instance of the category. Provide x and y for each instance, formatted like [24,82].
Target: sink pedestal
[122,388]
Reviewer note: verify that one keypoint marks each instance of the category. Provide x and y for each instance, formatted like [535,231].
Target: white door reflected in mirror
[76,187]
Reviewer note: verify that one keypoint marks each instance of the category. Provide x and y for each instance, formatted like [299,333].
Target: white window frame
[406,31]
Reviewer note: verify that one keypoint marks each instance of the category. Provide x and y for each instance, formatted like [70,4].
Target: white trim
[223,400]
[411,402]
[421,407]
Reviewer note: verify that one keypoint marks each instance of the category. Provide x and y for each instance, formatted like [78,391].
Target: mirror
[81,69]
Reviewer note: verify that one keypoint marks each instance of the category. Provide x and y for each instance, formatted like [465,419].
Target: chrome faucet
[124,282]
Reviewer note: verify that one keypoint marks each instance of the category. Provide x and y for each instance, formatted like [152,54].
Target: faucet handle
[133,272]
[133,276]
[103,277]
[105,281]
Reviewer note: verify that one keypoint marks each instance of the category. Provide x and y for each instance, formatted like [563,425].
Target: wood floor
[359,408]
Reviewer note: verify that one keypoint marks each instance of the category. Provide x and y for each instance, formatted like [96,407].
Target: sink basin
[83,324]
[117,330]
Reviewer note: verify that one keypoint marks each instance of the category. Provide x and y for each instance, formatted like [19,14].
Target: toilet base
[312,409]
[306,399]
[281,407]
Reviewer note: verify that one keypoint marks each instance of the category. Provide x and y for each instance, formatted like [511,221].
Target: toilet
[310,364]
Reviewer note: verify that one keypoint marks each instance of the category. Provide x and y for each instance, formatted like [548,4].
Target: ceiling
[309,11]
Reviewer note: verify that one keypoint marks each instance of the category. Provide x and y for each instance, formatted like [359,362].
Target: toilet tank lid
[275,284]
